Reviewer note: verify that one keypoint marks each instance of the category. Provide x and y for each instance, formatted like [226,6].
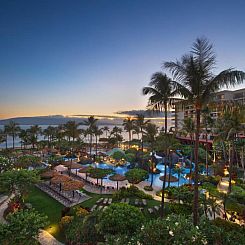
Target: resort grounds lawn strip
[45,204]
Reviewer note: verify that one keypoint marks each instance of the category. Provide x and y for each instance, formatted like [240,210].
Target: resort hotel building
[220,99]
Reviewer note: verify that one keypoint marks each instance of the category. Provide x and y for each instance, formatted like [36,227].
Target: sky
[94,57]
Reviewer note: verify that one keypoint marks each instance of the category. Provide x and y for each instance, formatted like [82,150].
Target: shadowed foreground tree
[195,81]
[22,227]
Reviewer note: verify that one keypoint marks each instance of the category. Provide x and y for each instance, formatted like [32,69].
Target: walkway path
[223,185]
[44,237]
[47,239]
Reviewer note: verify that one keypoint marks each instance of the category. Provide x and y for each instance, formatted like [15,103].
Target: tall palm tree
[106,130]
[2,136]
[195,82]
[150,135]
[34,131]
[116,132]
[208,122]
[72,131]
[188,128]
[232,126]
[91,123]
[23,135]
[166,143]
[128,124]
[12,129]
[141,123]
[97,133]
[49,133]
[162,92]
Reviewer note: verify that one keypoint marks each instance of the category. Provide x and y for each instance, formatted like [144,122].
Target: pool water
[156,181]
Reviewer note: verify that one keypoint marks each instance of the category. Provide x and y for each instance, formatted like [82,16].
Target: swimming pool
[156,181]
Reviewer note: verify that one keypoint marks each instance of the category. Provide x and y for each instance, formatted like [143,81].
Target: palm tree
[91,123]
[2,136]
[49,133]
[72,130]
[207,123]
[141,123]
[195,81]
[97,132]
[12,129]
[162,94]
[23,135]
[150,134]
[128,124]
[188,128]
[34,131]
[166,143]
[116,132]
[106,130]
[232,126]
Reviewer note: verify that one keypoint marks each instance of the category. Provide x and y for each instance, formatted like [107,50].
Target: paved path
[47,239]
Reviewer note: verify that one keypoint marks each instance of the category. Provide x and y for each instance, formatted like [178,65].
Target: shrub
[132,191]
[136,175]
[65,221]
[148,188]
[81,212]
[120,218]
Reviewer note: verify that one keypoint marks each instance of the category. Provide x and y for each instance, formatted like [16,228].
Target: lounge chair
[110,201]
[156,208]
[144,202]
[94,207]
[150,210]
[136,202]
[100,200]
[127,201]
[105,201]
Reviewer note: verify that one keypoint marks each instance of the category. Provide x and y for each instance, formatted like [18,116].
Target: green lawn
[48,206]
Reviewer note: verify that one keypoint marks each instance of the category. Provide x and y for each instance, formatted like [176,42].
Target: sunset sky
[94,56]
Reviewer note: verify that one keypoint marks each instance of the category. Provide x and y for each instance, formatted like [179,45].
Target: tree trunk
[191,159]
[195,203]
[90,147]
[163,187]
[96,145]
[129,138]
[231,165]
[206,153]
[165,117]
[13,140]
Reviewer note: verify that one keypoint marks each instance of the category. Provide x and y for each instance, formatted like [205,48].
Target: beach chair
[94,207]
[136,202]
[100,200]
[105,201]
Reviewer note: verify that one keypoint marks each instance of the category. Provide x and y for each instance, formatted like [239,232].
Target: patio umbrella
[117,177]
[85,170]
[75,166]
[49,174]
[61,168]
[58,179]
[72,185]
[171,178]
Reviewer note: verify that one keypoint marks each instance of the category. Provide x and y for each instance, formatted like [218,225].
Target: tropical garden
[208,208]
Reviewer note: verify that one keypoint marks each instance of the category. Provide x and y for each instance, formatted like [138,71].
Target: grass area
[95,197]
[45,204]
